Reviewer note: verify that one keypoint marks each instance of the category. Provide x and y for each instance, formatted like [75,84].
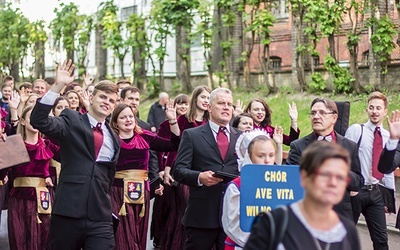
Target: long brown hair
[268,111]
[191,114]
[21,128]
[118,109]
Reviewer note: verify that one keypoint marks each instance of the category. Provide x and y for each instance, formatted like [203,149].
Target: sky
[44,9]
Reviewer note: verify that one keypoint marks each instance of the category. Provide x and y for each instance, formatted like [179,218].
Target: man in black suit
[81,216]
[323,116]
[203,151]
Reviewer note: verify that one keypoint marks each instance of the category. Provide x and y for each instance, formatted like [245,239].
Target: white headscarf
[242,145]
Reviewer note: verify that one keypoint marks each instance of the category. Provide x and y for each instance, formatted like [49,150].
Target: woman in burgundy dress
[30,201]
[130,195]
[163,205]
[261,114]
[197,115]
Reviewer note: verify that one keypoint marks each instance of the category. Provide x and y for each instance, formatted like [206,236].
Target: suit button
[223,165]
[93,177]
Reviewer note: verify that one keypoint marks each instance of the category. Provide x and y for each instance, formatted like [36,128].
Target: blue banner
[265,187]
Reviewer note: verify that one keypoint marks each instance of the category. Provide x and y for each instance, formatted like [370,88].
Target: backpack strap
[359,139]
[281,215]
[271,222]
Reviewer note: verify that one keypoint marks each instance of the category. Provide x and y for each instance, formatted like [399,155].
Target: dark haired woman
[130,196]
[261,114]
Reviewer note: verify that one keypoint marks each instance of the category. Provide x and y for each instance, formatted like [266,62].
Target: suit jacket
[357,181]
[84,185]
[389,160]
[198,152]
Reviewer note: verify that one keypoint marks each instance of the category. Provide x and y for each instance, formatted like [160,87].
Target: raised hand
[14,100]
[238,108]
[87,79]
[64,75]
[278,135]
[293,111]
[170,111]
[86,99]
[394,125]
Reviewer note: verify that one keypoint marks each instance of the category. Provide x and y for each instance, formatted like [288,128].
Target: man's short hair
[131,89]
[329,104]
[25,85]
[216,91]
[8,78]
[123,82]
[50,80]
[378,95]
[106,86]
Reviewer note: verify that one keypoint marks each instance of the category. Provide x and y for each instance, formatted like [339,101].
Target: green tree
[140,45]
[37,39]
[65,28]
[112,32]
[85,29]
[14,39]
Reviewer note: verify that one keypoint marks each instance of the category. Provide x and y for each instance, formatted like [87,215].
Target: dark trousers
[205,238]
[371,205]
[71,233]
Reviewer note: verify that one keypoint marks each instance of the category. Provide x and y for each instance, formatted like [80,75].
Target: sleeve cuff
[198,181]
[391,144]
[49,98]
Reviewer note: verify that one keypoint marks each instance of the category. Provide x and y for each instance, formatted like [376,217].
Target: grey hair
[216,91]
[163,94]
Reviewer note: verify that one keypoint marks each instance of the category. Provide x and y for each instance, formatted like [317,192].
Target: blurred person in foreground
[312,222]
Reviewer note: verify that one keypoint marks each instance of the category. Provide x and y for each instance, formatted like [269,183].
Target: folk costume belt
[134,188]
[42,193]
[57,166]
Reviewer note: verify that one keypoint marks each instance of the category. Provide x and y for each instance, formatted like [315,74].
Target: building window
[279,9]
[365,57]
[316,61]
[127,11]
[275,63]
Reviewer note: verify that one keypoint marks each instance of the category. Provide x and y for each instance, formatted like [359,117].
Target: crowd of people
[95,165]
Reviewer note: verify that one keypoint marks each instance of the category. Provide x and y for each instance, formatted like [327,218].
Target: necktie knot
[326,138]
[377,130]
[98,127]
[222,129]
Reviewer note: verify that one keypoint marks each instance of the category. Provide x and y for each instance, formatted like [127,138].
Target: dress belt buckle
[370,187]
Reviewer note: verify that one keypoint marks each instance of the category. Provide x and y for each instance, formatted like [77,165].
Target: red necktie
[98,138]
[222,141]
[376,153]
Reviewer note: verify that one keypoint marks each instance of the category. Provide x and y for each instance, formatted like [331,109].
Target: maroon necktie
[222,141]
[98,138]
[376,153]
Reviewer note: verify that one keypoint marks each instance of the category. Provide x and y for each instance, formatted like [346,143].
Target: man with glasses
[323,115]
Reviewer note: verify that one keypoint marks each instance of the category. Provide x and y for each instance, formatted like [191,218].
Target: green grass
[279,106]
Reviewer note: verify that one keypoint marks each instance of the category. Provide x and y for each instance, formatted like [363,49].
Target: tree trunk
[14,71]
[216,45]
[354,70]
[331,49]
[161,76]
[139,69]
[299,61]
[100,56]
[121,67]
[71,55]
[182,47]
[39,71]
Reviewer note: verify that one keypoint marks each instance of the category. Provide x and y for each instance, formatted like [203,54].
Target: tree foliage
[14,39]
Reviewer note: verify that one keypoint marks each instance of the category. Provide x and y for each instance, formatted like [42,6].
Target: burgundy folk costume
[29,207]
[132,167]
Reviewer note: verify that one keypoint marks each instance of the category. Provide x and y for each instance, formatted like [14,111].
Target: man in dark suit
[81,216]
[203,151]
[323,116]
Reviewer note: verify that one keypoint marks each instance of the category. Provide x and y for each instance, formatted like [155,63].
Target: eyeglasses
[321,113]
[326,176]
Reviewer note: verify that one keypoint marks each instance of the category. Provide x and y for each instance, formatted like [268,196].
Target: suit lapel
[87,128]
[309,139]
[209,138]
